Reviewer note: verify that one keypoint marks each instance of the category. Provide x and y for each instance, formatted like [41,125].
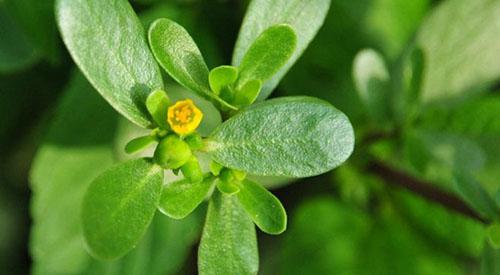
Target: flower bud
[192,170]
[194,141]
[172,152]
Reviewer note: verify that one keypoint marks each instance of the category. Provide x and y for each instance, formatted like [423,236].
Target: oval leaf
[107,42]
[229,242]
[305,17]
[453,73]
[119,206]
[288,136]
[180,198]
[267,54]
[265,209]
[222,76]
[178,54]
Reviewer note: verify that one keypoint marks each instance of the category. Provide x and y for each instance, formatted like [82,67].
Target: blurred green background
[56,134]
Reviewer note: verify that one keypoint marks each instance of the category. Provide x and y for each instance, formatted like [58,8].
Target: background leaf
[106,41]
[305,17]
[228,243]
[461,57]
[76,149]
[290,136]
[16,50]
[372,82]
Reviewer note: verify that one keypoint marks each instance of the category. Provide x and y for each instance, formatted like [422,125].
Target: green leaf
[229,242]
[494,235]
[36,19]
[372,82]
[288,136]
[76,149]
[264,208]
[180,198]
[227,187]
[139,144]
[16,50]
[455,72]
[119,206]
[490,262]
[178,54]
[408,78]
[304,16]
[157,104]
[222,76]
[247,94]
[107,42]
[475,195]
[267,54]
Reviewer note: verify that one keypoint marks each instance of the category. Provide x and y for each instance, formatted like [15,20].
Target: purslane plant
[290,136]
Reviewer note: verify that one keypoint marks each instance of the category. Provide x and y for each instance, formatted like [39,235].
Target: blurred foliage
[346,222]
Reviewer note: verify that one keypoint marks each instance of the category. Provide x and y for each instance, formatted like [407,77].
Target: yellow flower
[184,117]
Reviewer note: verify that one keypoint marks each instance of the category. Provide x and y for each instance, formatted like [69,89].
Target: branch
[424,189]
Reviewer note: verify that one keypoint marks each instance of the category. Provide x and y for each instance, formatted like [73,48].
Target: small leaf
[157,104]
[288,136]
[373,84]
[248,93]
[192,170]
[304,16]
[180,198]
[229,242]
[475,195]
[119,206]
[139,144]
[222,76]
[106,40]
[227,187]
[178,54]
[267,54]
[264,208]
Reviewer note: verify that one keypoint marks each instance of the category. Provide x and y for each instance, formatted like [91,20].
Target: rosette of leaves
[289,136]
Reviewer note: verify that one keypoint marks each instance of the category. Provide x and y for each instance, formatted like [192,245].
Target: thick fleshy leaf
[180,198]
[372,83]
[157,105]
[229,242]
[139,144]
[267,54]
[265,209]
[107,42]
[178,54]
[222,76]
[305,17]
[461,58]
[288,136]
[119,206]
